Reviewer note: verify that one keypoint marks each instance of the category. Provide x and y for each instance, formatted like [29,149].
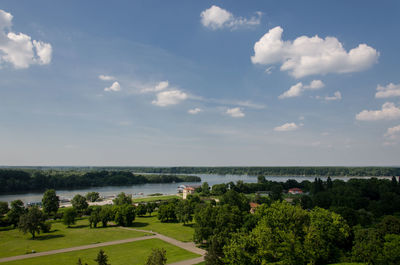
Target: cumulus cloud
[298,89]
[235,112]
[160,86]
[287,127]
[389,111]
[219,18]
[18,49]
[171,97]
[391,90]
[194,111]
[392,135]
[106,77]
[336,96]
[311,55]
[114,87]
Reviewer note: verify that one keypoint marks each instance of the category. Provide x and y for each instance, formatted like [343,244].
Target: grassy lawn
[13,242]
[129,253]
[156,198]
[175,230]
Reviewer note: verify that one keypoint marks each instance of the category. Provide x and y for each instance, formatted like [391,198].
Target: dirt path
[190,246]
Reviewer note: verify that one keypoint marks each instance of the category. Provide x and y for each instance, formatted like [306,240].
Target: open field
[156,198]
[13,242]
[175,230]
[129,253]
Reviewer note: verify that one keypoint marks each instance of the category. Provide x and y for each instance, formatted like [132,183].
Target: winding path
[190,246]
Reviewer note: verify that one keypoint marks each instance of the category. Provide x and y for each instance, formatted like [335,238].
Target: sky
[199,83]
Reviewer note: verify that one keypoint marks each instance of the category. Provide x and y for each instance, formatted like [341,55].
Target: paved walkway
[189,246]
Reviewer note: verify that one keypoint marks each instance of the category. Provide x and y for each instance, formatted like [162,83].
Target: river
[146,189]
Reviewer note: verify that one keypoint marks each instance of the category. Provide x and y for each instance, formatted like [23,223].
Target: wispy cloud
[216,17]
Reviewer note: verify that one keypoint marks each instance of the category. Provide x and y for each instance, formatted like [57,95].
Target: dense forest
[333,221]
[253,171]
[14,180]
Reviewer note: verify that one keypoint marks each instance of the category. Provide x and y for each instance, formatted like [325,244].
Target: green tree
[141,209]
[31,221]
[166,213]
[3,208]
[94,217]
[106,215]
[368,246]
[17,209]
[184,212]
[122,199]
[326,235]
[391,250]
[124,214]
[234,198]
[205,189]
[102,258]
[50,202]
[69,216]
[92,196]
[151,206]
[157,257]
[79,203]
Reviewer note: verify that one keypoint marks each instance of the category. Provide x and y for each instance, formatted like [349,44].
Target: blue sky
[165,83]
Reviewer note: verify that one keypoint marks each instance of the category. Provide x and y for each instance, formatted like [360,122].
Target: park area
[121,245]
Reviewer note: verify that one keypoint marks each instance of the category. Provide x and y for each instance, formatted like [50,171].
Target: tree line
[15,180]
[275,171]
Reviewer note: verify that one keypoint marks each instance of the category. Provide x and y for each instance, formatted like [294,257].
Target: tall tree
[79,203]
[92,196]
[50,202]
[17,209]
[31,221]
[69,217]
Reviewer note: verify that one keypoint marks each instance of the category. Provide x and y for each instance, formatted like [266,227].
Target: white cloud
[106,77]
[194,111]
[219,18]
[388,112]
[315,85]
[336,96]
[311,55]
[391,90]
[294,91]
[298,89]
[392,135]
[235,112]
[160,86]
[287,127]
[114,87]
[18,49]
[171,97]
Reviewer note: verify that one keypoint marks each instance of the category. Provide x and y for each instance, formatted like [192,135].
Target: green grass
[157,198]
[175,230]
[13,242]
[128,253]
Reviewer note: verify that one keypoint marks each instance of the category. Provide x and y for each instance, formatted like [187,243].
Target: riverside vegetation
[332,221]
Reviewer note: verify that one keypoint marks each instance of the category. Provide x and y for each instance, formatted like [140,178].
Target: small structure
[295,191]
[186,191]
[253,207]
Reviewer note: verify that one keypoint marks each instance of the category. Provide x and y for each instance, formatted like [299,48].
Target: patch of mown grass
[13,242]
[129,253]
[175,230]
